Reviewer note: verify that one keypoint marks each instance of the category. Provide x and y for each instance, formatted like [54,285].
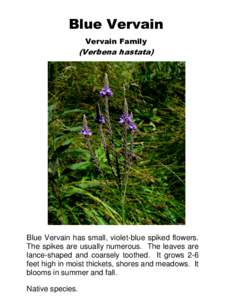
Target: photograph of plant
[116,143]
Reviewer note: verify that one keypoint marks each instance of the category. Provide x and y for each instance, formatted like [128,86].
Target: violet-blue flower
[132,126]
[85,130]
[126,119]
[100,119]
[106,91]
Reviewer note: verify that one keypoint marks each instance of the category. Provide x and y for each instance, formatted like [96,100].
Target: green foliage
[155,93]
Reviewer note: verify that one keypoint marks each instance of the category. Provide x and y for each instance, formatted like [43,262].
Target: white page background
[198,32]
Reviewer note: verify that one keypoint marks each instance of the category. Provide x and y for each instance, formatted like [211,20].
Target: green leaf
[71,111]
[89,184]
[80,166]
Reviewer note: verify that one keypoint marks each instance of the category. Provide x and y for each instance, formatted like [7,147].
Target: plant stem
[111,142]
[92,154]
[123,200]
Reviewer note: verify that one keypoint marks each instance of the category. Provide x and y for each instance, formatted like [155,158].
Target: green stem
[123,200]
[111,143]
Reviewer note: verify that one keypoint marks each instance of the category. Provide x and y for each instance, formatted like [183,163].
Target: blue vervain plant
[120,172]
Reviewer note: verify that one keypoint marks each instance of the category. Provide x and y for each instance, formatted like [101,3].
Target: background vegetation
[156,188]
